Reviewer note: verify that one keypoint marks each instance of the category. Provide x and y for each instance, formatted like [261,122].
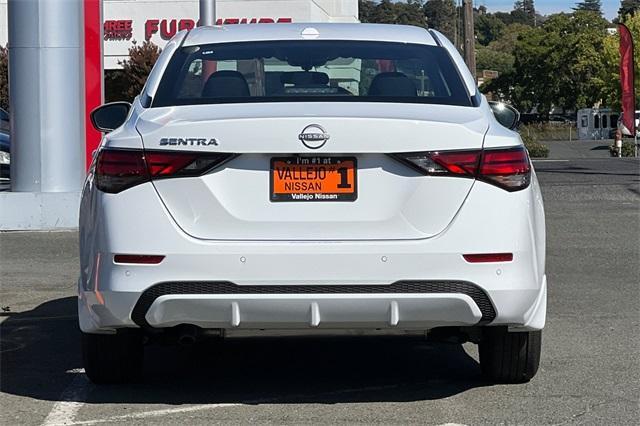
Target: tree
[524,12]
[527,6]
[488,28]
[4,78]
[366,9]
[136,69]
[557,64]
[628,7]
[441,15]
[489,59]
[590,6]
[389,12]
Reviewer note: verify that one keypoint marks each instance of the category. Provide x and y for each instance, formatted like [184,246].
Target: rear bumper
[212,305]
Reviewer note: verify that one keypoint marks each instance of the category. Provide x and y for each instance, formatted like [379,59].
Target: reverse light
[488,257]
[507,168]
[120,169]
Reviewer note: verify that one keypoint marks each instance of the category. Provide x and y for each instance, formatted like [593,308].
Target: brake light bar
[488,257]
[507,168]
[120,169]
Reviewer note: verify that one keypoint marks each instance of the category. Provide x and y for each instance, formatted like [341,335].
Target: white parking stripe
[180,410]
[550,161]
[156,413]
[71,400]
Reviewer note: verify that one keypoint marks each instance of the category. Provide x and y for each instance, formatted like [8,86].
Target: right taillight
[507,168]
[120,169]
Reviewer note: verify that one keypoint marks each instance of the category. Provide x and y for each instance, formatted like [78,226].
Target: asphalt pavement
[590,368]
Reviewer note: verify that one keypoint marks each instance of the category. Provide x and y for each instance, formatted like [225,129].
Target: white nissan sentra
[311,179]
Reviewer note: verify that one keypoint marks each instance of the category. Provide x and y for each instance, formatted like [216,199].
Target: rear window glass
[294,71]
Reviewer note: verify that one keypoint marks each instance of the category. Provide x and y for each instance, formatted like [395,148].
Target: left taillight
[120,169]
[507,168]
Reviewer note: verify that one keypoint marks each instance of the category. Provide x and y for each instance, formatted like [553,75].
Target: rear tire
[113,358]
[509,357]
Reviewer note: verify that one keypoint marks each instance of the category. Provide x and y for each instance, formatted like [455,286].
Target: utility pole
[469,37]
[207,12]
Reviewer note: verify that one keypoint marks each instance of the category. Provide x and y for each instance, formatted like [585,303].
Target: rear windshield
[311,71]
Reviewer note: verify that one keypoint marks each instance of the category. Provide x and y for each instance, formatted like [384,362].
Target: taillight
[508,168]
[120,169]
[117,170]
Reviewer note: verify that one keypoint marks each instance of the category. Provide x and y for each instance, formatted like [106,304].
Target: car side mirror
[110,116]
[506,115]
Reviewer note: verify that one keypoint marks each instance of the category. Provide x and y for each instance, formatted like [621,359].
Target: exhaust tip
[187,334]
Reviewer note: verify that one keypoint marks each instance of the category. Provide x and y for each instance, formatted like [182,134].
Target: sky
[545,7]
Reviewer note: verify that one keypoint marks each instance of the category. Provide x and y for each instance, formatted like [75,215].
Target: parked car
[5,151]
[624,130]
[311,178]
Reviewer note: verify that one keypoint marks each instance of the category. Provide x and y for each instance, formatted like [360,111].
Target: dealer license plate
[313,179]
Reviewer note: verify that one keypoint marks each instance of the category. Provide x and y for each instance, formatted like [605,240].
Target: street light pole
[207,12]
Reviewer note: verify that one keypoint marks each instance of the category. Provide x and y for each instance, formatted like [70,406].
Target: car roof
[305,31]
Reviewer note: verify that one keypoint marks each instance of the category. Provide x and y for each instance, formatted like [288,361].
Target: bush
[127,83]
[535,148]
[628,150]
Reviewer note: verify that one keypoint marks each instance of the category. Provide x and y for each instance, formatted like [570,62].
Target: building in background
[126,21]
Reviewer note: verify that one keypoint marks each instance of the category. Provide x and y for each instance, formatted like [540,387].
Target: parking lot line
[71,400]
[155,413]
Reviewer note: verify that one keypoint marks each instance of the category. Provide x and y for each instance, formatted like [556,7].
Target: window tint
[290,71]
[605,121]
[596,122]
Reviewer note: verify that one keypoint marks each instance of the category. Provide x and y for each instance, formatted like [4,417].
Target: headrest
[304,78]
[226,84]
[392,84]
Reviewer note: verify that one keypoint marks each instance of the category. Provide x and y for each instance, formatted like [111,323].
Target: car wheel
[509,357]
[113,358]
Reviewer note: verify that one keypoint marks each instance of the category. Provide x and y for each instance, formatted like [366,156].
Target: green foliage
[629,7]
[4,78]
[557,64]
[535,148]
[527,6]
[628,149]
[135,70]
[442,15]
[365,10]
[488,28]
[524,12]
[495,60]
[590,6]
[389,12]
